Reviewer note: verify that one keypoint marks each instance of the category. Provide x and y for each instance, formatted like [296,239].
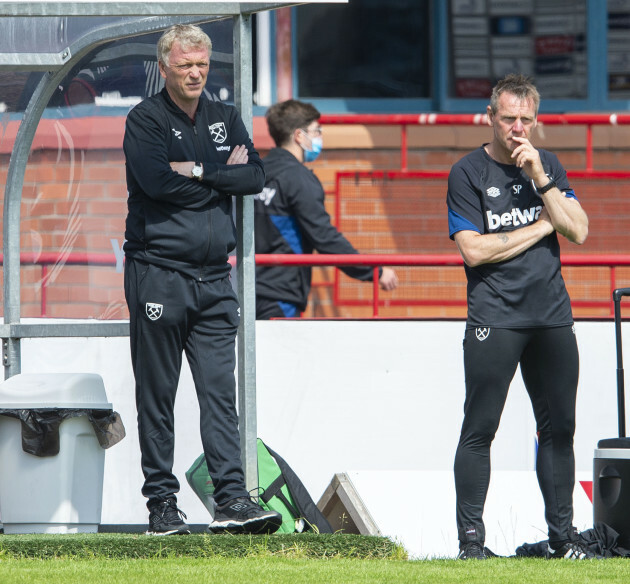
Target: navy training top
[489,197]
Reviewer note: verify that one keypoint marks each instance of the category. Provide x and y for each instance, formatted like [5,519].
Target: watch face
[196,171]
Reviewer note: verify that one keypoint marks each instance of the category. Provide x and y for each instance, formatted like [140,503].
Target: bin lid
[622,442]
[54,390]
[614,453]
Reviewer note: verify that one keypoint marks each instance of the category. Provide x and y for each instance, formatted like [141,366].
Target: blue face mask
[316,148]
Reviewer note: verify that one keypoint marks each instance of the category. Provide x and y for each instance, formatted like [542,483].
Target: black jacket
[290,217]
[175,221]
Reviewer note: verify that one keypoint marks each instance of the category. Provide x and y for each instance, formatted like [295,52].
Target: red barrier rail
[612,261]
[431,119]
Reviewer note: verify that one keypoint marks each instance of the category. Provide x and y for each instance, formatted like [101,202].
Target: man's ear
[489,115]
[162,67]
[298,136]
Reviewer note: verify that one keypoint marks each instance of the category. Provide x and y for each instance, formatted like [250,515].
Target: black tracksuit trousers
[549,365]
[171,314]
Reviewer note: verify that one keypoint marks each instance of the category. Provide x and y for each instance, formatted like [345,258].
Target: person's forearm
[235,179]
[478,249]
[567,216]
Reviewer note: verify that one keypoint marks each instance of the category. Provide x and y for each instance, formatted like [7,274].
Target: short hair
[190,36]
[285,117]
[517,84]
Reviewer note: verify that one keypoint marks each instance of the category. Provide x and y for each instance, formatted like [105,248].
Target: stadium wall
[380,400]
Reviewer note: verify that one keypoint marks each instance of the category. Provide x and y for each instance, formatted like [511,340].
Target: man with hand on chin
[290,216]
[507,203]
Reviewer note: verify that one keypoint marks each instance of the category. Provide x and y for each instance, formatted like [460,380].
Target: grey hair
[518,85]
[189,36]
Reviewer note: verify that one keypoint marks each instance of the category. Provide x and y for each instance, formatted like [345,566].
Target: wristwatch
[547,187]
[197,171]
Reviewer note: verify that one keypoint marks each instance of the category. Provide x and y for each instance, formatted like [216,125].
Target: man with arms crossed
[507,203]
[185,157]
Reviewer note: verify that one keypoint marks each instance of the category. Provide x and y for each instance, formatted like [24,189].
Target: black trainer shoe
[473,550]
[572,550]
[243,515]
[166,519]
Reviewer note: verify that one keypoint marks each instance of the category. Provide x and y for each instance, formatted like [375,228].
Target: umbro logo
[493,192]
[177,133]
[482,332]
[153,310]
[238,506]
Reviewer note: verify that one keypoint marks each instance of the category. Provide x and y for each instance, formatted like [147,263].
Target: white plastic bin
[52,494]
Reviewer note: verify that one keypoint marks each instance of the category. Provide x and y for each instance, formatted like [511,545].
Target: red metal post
[375,292]
[589,147]
[403,148]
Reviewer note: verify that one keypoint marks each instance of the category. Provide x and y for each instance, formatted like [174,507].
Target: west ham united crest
[153,310]
[218,132]
[482,332]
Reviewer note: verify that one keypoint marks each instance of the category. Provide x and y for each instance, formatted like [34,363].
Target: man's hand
[183,168]
[388,280]
[239,155]
[528,158]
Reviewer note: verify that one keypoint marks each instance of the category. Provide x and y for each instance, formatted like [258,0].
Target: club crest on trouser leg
[153,310]
[482,332]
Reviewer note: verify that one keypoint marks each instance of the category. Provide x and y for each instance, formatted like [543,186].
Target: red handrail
[432,119]
[611,261]
[437,259]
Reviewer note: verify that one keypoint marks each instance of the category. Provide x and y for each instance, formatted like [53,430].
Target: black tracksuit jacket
[290,217]
[174,221]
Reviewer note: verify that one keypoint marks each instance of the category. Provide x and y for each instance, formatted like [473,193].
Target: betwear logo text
[515,217]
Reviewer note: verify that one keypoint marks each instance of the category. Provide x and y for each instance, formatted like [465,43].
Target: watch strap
[547,187]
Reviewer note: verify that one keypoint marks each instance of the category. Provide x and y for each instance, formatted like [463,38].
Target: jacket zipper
[197,156]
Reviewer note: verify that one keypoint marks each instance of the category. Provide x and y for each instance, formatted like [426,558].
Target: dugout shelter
[49,43]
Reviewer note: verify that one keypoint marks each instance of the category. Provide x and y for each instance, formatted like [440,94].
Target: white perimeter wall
[381,400]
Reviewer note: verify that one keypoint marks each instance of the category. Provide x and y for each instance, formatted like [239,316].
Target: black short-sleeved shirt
[488,197]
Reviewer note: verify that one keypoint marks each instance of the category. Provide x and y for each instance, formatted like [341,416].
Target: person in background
[185,157]
[507,203]
[290,217]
